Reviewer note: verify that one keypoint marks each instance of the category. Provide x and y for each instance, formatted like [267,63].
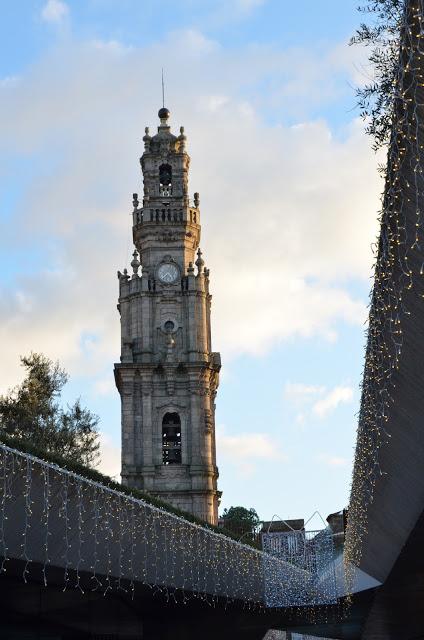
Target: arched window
[165,179]
[171,439]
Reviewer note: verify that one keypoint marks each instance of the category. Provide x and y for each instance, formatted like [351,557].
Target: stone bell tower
[168,375]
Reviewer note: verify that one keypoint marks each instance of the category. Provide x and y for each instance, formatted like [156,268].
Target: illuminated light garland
[64,513]
[399,247]
[27,517]
[80,509]
[46,511]
[4,496]
[94,532]
[313,553]
[116,541]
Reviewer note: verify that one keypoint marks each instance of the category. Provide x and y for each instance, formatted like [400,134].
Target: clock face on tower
[168,273]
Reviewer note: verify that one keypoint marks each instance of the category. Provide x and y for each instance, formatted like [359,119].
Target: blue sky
[289,199]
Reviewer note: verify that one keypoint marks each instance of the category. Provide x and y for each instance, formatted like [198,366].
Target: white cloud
[9,81]
[196,42]
[243,450]
[297,391]
[357,58]
[213,103]
[288,213]
[54,11]
[301,396]
[316,400]
[247,445]
[223,13]
[110,461]
[334,461]
[105,386]
[330,402]
[111,46]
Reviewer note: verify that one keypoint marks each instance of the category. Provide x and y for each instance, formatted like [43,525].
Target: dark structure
[385,523]
[83,560]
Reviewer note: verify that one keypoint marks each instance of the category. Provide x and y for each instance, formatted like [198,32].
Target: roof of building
[283,526]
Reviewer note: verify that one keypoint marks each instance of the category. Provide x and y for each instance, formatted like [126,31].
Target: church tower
[168,375]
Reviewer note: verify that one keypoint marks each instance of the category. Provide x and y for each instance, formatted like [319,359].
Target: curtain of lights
[103,540]
[399,269]
[312,552]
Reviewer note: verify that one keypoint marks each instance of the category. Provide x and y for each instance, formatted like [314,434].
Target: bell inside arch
[171,439]
[165,180]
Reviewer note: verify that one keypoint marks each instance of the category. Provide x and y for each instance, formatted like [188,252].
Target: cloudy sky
[289,196]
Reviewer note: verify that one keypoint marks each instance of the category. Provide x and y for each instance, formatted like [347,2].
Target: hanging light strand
[118,541]
[398,276]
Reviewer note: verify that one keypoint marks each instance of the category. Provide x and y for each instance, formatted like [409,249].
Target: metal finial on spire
[163,91]
[163,112]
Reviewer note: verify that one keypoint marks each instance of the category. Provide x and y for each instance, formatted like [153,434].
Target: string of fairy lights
[104,540]
[313,553]
[399,268]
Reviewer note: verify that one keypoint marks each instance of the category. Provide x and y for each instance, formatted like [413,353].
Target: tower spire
[163,92]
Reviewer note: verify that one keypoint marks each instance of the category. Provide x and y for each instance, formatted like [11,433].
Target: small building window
[171,439]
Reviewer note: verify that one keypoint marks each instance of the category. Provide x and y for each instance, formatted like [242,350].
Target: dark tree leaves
[240,520]
[376,99]
[31,411]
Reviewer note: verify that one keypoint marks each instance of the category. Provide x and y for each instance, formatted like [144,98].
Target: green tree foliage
[240,520]
[31,412]
[376,99]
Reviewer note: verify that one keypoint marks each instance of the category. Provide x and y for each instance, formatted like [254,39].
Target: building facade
[168,375]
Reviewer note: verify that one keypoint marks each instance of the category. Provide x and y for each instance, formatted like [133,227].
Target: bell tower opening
[165,180]
[171,439]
